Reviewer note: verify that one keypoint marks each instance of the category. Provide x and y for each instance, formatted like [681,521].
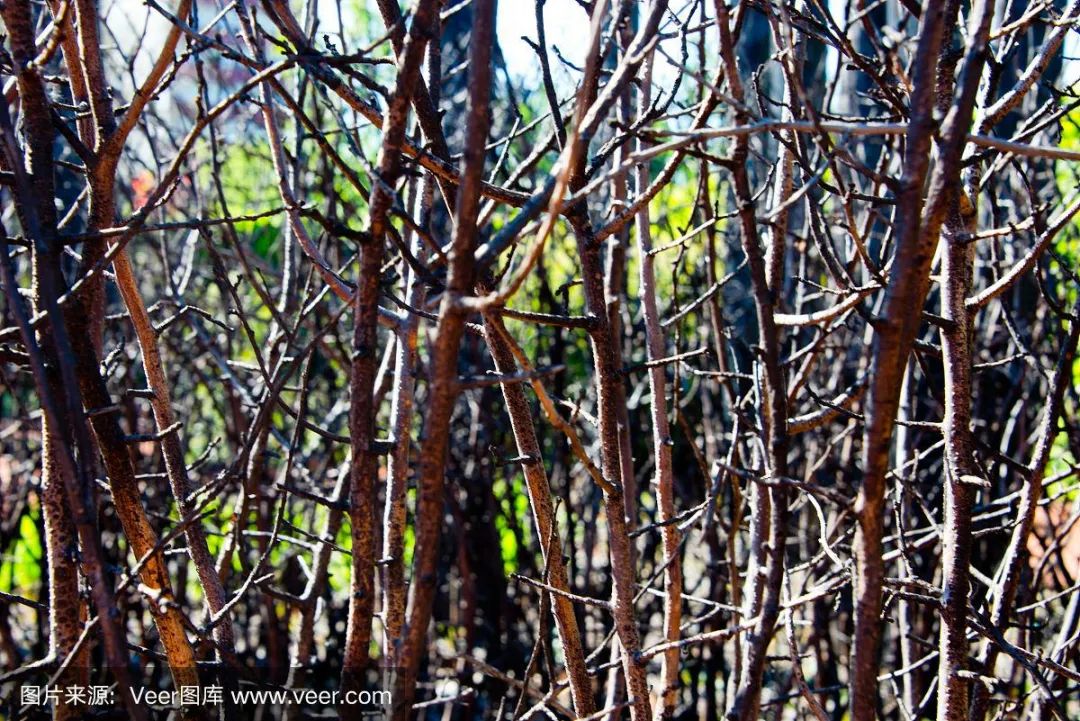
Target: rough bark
[662,442]
[769,506]
[365,356]
[893,337]
[443,387]
[543,512]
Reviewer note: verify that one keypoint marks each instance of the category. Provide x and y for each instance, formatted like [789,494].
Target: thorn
[974,481]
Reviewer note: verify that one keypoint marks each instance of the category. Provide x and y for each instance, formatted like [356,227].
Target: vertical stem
[615,283]
[905,608]
[620,545]
[401,404]
[61,546]
[61,541]
[362,410]
[917,233]
[61,536]
[75,342]
[769,506]
[661,432]
[893,338]
[592,107]
[444,383]
[962,473]
[543,508]
[76,480]
[397,472]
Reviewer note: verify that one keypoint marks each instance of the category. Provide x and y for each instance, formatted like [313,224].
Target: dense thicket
[677,360]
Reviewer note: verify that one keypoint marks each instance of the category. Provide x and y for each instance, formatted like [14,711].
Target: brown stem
[894,335]
[769,506]
[60,405]
[362,411]
[620,546]
[61,535]
[661,431]
[127,500]
[961,472]
[543,508]
[172,450]
[443,388]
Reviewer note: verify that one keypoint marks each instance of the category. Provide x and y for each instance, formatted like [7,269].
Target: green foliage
[340,569]
[513,501]
[1067,248]
[21,571]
